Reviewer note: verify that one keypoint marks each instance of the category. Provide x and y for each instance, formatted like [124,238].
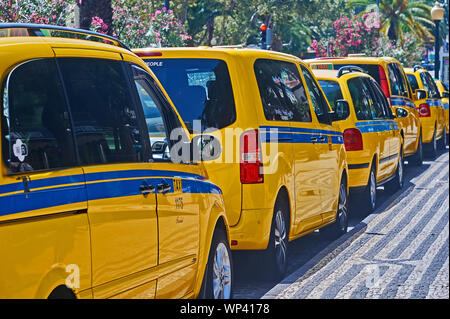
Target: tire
[369,195]
[443,141]
[218,278]
[398,181]
[275,256]
[433,146]
[340,226]
[417,158]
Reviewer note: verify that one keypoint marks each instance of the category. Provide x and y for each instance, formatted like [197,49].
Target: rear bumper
[358,175]
[253,230]
[428,127]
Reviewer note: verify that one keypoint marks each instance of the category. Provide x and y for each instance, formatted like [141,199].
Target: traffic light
[263,36]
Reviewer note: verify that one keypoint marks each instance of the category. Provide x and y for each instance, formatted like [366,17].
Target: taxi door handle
[146,189]
[322,139]
[314,139]
[163,188]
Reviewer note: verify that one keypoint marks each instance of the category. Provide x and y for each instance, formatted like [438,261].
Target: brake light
[383,81]
[251,158]
[148,54]
[424,110]
[353,139]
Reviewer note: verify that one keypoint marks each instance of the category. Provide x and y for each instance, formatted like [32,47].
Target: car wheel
[398,180]
[370,193]
[433,146]
[417,159]
[218,279]
[276,253]
[443,140]
[340,226]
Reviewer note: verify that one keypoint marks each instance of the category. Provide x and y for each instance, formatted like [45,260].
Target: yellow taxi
[283,168]
[428,101]
[391,77]
[443,90]
[370,130]
[90,207]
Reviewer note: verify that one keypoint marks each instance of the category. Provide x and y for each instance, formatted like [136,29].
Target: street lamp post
[167,4]
[437,14]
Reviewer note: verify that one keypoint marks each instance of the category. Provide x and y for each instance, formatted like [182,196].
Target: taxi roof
[356,60]
[205,51]
[332,74]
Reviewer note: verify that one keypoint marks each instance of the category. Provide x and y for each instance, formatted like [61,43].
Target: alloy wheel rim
[280,238]
[343,217]
[221,273]
[400,171]
[373,189]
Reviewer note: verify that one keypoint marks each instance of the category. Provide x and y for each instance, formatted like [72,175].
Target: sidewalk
[400,252]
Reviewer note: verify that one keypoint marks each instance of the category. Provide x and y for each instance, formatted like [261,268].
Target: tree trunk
[95,8]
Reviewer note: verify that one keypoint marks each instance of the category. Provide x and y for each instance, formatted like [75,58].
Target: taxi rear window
[371,69]
[200,89]
[332,91]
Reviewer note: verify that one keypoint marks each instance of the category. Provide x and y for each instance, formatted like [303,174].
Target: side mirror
[445,94]
[341,111]
[205,148]
[421,94]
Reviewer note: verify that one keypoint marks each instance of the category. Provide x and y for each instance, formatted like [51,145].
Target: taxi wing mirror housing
[205,148]
[341,111]
[401,112]
[421,94]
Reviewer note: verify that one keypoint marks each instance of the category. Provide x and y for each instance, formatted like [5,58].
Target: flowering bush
[361,35]
[56,12]
[136,25]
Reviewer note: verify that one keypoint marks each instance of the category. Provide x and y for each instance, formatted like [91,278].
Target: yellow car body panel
[74,227]
[445,105]
[381,138]
[435,123]
[409,126]
[310,173]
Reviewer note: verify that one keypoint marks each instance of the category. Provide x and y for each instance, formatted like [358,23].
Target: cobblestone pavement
[399,251]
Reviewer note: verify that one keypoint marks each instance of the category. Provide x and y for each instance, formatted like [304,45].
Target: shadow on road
[249,282]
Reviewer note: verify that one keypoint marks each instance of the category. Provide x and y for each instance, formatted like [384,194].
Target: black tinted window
[282,92]
[318,100]
[362,101]
[106,125]
[35,120]
[381,104]
[200,89]
[332,91]
[413,81]
[372,69]
[429,85]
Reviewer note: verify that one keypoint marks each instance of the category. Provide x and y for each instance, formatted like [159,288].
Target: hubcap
[221,273]
[400,171]
[373,189]
[343,218]
[280,238]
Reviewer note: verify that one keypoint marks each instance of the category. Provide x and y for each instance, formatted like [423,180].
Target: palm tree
[398,16]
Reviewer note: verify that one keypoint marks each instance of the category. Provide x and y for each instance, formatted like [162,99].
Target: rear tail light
[353,139]
[251,158]
[424,110]
[383,81]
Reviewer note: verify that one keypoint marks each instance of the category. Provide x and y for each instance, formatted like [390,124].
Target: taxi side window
[36,132]
[396,85]
[159,119]
[282,91]
[362,101]
[105,121]
[379,108]
[378,91]
[429,85]
[401,79]
[413,81]
[318,100]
